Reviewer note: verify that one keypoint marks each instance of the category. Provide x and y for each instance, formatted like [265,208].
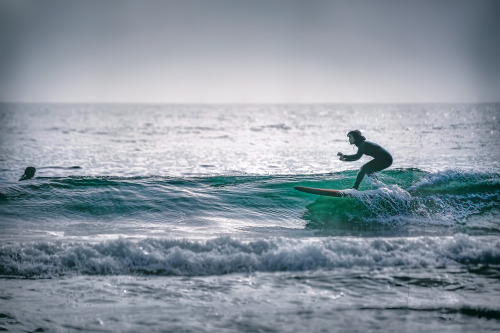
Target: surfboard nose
[321,191]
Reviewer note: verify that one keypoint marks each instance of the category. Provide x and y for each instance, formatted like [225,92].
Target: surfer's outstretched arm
[350,158]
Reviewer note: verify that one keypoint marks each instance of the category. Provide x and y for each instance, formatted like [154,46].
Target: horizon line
[243,103]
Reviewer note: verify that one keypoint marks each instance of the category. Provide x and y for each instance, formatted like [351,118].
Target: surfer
[381,158]
[28,173]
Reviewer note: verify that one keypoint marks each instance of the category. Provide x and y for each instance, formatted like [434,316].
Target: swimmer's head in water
[355,137]
[28,173]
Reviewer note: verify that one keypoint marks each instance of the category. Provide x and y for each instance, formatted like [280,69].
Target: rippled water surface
[185,218]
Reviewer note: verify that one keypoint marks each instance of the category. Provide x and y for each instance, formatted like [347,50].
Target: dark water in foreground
[184,218]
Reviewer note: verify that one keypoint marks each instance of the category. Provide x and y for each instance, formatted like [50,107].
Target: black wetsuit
[381,159]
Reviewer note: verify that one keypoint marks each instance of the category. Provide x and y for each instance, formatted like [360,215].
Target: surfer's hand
[342,158]
[340,154]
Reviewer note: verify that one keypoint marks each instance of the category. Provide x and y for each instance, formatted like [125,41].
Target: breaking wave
[227,255]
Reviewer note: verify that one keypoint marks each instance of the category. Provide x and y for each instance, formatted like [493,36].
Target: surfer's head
[28,173]
[355,137]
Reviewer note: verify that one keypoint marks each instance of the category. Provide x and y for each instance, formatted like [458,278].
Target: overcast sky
[250,51]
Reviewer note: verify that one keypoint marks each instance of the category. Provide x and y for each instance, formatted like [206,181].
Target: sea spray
[227,255]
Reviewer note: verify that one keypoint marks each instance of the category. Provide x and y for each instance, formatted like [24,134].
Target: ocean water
[183,218]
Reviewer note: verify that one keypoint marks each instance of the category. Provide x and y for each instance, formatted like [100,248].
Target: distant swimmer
[28,173]
[381,158]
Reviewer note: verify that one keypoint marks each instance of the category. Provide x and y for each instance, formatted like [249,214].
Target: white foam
[228,255]
[447,176]
[391,204]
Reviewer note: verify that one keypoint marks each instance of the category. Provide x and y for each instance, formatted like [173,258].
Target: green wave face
[409,200]
[400,201]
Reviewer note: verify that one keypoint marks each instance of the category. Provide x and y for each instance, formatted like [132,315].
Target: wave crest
[227,255]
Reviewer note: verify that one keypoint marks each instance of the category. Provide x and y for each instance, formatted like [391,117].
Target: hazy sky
[250,51]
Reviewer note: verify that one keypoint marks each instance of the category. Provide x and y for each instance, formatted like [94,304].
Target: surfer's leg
[361,174]
[368,169]
[359,178]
